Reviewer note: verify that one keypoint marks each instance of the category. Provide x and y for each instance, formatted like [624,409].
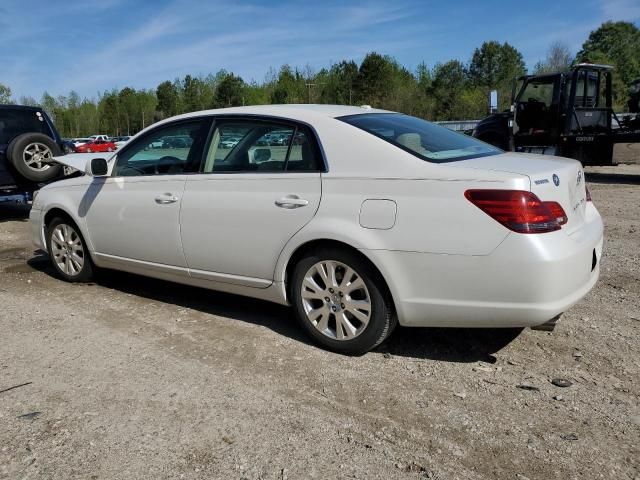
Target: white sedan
[366,219]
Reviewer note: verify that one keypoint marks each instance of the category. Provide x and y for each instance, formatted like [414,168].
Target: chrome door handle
[166,198]
[291,201]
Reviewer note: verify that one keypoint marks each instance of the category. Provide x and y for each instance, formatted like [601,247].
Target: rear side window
[260,146]
[16,122]
[423,139]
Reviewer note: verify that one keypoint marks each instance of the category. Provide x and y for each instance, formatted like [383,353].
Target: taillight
[517,210]
[557,211]
[588,194]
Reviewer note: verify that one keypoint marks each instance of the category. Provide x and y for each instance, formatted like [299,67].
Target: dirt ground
[135,378]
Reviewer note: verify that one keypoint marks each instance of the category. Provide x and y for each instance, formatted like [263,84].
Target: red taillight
[517,210]
[558,212]
[588,194]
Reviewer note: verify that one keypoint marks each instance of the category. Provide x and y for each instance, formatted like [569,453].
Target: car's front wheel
[341,301]
[68,251]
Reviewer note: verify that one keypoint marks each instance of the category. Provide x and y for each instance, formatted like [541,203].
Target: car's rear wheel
[31,155]
[341,301]
[68,251]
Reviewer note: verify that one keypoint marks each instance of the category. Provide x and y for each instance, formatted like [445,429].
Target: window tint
[16,122]
[303,157]
[245,146]
[167,150]
[423,139]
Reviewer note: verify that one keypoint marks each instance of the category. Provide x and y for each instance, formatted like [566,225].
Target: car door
[252,196]
[133,214]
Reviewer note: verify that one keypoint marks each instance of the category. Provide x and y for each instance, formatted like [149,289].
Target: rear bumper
[526,281]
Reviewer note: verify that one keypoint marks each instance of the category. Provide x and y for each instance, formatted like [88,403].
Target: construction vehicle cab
[568,114]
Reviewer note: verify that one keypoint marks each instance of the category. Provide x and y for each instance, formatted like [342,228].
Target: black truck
[568,114]
[28,141]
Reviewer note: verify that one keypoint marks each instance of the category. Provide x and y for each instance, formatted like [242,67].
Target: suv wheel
[31,155]
[68,251]
[341,301]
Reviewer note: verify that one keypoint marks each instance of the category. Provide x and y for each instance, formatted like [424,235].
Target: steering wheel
[165,163]
[122,171]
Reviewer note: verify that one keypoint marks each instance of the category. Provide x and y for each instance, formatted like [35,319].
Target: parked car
[68,145]
[28,142]
[120,141]
[104,138]
[97,146]
[80,141]
[375,218]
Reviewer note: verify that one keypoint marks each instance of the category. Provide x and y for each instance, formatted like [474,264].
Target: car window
[170,149]
[421,138]
[256,146]
[303,157]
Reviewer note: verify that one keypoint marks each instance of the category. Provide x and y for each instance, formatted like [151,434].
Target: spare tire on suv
[31,153]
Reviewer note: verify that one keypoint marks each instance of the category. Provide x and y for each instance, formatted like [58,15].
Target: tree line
[448,91]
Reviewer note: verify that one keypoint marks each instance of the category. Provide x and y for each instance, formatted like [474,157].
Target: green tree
[289,86]
[620,43]
[374,77]
[493,67]
[5,94]
[230,91]
[338,83]
[168,99]
[449,81]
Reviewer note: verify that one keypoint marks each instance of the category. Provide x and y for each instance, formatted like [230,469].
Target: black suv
[28,141]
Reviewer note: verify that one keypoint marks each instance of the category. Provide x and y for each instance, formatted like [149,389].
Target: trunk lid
[551,178]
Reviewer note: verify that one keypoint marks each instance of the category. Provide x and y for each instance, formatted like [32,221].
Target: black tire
[382,319]
[16,157]
[83,274]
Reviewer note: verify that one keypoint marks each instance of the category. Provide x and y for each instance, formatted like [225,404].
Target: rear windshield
[16,122]
[425,140]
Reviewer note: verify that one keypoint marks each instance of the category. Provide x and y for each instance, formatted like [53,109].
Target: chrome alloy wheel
[336,300]
[67,249]
[37,156]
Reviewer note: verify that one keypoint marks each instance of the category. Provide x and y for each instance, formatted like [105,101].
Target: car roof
[300,112]
[20,107]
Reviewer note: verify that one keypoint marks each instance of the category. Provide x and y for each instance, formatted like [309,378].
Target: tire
[64,240]
[368,322]
[89,150]
[28,154]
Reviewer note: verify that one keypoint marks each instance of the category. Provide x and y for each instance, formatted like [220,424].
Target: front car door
[259,184]
[133,214]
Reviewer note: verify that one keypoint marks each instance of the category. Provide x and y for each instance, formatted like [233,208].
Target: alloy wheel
[67,249]
[336,300]
[37,156]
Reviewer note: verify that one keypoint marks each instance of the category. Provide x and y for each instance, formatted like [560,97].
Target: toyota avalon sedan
[363,219]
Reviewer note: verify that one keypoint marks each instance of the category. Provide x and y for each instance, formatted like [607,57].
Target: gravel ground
[138,378]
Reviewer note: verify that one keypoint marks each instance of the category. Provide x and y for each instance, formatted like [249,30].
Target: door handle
[291,201]
[166,198]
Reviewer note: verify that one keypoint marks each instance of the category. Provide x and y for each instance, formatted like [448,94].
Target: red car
[96,146]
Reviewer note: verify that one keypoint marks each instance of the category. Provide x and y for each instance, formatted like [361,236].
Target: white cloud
[626,10]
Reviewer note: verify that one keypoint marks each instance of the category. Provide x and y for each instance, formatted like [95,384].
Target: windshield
[423,139]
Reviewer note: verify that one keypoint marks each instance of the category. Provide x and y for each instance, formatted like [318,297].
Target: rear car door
[254,192]
[133,214]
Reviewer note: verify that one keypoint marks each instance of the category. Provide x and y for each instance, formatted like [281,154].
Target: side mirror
[261,155]
[97,167]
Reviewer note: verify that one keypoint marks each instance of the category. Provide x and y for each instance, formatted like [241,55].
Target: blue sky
[63,45]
